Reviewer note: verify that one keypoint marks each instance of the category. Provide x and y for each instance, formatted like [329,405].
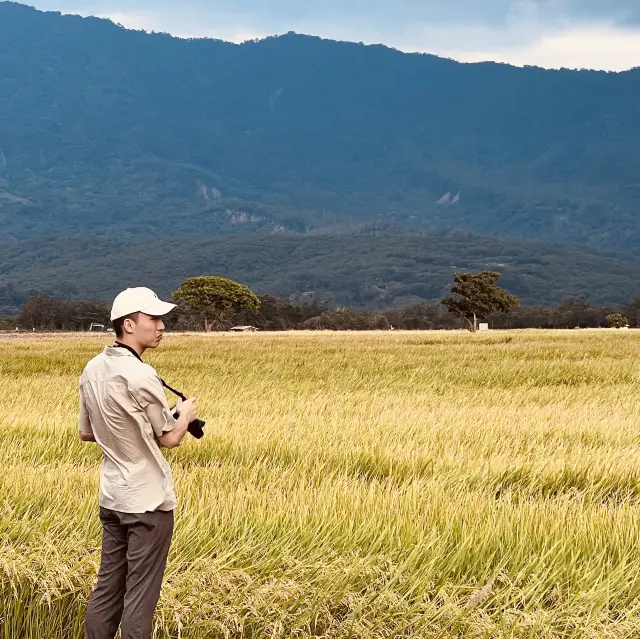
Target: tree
[38,312]
[46,313]
[214,296]
[421,316]
[578,312]
[617,320]
[632,310]
[478,296]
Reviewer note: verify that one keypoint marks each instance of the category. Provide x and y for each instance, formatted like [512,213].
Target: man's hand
[190,407]
[187,412]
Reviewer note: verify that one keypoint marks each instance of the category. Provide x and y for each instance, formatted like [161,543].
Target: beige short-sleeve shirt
[122,402]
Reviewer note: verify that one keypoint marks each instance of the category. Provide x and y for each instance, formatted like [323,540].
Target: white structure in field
[483,326]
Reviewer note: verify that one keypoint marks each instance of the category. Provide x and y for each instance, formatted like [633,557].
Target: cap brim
[158,308]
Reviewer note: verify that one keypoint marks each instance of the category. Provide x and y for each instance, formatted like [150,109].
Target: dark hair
[118,324]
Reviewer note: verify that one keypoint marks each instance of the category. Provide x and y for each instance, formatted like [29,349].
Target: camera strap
[137,356]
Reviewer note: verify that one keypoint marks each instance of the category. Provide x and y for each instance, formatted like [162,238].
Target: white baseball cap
[139,300]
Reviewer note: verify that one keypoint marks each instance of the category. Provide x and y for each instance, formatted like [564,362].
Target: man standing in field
[124,409]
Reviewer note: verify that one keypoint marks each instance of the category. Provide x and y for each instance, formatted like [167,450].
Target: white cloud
[592,46]
[224,29]
[595,47]
[137,21]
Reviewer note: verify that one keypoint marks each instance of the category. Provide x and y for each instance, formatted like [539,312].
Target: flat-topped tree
[477,297]
[212,296]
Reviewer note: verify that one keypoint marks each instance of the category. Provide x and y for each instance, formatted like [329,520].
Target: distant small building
[243,329]
[483,326]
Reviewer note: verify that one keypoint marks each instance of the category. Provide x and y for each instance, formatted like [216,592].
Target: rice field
[360,485]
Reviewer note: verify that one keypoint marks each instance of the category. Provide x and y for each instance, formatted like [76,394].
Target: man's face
[147,330]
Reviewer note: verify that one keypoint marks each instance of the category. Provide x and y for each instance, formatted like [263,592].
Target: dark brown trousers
[134,557]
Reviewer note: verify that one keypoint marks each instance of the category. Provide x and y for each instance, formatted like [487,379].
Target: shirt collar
[117,351]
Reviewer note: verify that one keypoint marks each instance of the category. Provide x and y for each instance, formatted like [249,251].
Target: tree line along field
[363,485]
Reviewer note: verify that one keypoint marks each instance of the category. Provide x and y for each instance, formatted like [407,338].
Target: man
[124,409]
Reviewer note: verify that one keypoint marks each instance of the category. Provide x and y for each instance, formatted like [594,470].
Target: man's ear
[129,325]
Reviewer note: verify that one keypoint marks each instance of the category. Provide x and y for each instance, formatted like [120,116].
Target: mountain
[359,270]
[136,138]
[103,128]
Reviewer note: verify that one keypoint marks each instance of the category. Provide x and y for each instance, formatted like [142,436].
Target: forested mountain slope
[104,129]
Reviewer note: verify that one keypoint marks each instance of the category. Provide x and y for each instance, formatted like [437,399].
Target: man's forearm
[174,438]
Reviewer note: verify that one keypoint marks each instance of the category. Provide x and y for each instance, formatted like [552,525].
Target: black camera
[196,427]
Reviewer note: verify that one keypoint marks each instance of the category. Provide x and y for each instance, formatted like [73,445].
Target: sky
[593,34]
